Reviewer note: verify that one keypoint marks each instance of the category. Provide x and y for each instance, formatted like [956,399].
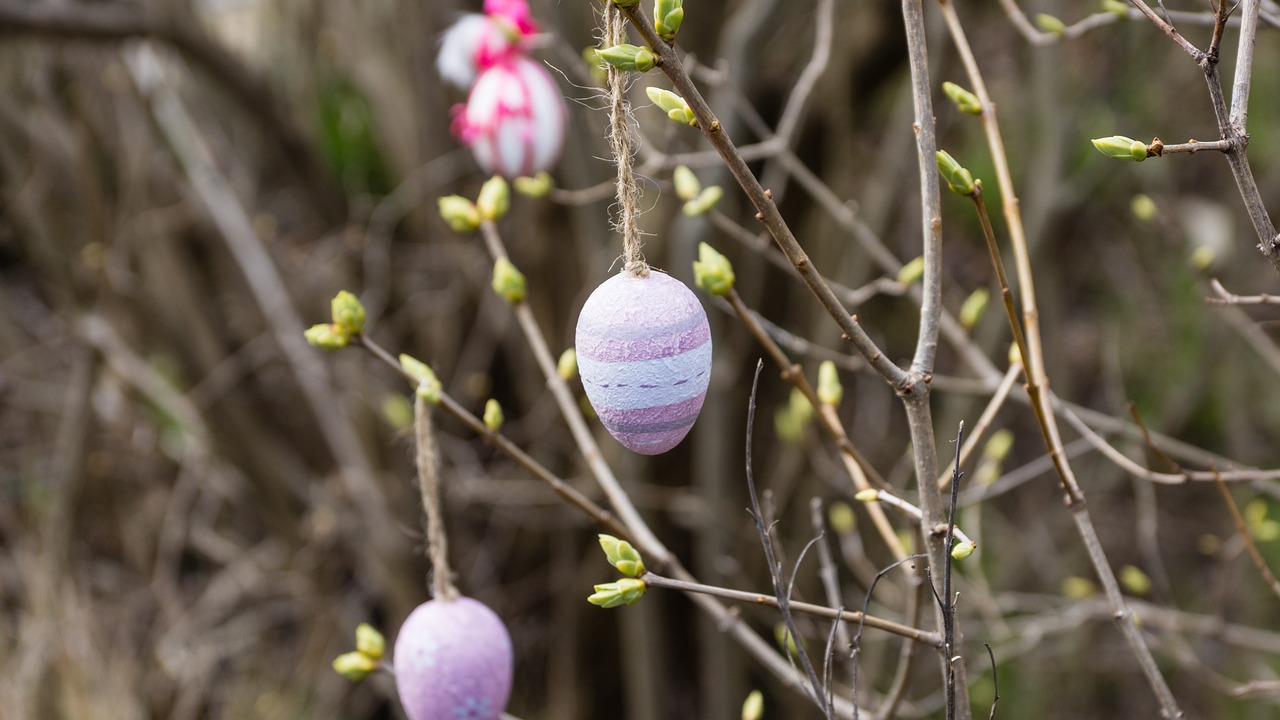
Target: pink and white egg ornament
[514,119]
[453,661]
[644,356]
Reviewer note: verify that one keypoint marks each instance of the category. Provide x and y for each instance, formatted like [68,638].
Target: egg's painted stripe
[648,383]
[652,443]
[653,419]
[640,325]
[662,342]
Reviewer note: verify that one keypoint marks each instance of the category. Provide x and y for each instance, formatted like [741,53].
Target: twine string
[622,144]
[429,482]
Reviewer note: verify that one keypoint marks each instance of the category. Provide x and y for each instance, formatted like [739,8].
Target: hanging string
[429,482]
[622,143]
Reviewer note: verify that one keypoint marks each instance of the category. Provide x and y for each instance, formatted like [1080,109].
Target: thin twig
[1196,53]
[906,655]
[1243,528]
[865,620]
[925,637]
[995,682]
[827,571]
[911,511]
[988,416]
[1047,422]
[1244,63]
[824,22]
[783,594]
[601,517]
[1228,298]
[948,602]
[855,464]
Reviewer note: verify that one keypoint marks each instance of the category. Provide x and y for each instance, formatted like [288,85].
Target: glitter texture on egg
[453,661]
[644,355]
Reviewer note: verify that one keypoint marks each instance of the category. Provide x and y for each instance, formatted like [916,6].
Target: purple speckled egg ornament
[453,662]
[644,355]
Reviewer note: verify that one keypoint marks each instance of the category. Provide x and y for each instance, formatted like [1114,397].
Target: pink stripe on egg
[653,419]
[611,344]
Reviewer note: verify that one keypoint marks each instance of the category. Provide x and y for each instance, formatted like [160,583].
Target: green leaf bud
[622,555]
[1262,528]
[1078,588]
[842,518]
[705,200]
[493,418]
[790,422]
[459,213]
[957,176]
[597,66]
[687,185]
[354,665]
[1134,580]
[911,272]
[962,550]
[567,365]
[1119,147]
[672,104]
[623,592]
[369,642]
[830,390]
[397,410]
[998,445]
[1015,355]
[428,385]
[1268,531]
[786,641]
[1050,24]
[327,337]
[712,271]
[972,308]
[535,187]
[965,101]
[753,706]
[509,282]
[868,495]
[667,17]
[1115,7]
[348,313]
[494,199]
[628,58]
[1143,207]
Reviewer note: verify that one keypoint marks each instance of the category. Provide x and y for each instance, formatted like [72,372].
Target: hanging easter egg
[644,355]
[473,43]
[514,12]
[514,119]
[453,661]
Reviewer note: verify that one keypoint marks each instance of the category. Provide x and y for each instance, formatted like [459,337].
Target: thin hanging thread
[429,482]
[622,143]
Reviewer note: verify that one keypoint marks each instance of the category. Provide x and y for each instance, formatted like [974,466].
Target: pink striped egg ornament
[644,355]
[453,661]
